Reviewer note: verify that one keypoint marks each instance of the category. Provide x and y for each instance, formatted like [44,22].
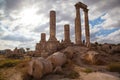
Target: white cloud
[112,19]
[113,37]
[6,44]
[14,25]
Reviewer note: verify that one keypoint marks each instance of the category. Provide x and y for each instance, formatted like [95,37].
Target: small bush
[88,70]
[73,75]
[1,77]
[15,56]
[114,67]
[8,63]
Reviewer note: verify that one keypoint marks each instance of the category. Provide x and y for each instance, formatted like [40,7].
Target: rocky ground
[83,64]
[79,74]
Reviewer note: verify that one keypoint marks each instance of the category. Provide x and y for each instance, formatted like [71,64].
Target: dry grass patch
[88,70]
[72,75]
[9,63]
[114,67]
[12,68]
[23,68]
[1,77]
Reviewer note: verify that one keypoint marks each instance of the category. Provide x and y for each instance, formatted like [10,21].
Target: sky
[22,21]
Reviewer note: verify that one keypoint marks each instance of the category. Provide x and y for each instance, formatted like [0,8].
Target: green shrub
[1,77]
[73,75]
[114,67]
[15,56]
[88,70]
[8,63]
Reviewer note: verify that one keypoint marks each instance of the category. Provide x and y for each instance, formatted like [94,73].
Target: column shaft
[66,33]
[43,37]
[87,33]
[78,36]
[52,25]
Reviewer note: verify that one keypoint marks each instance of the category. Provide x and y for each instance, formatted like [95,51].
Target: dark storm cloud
[103,4]
[16,37]
[18,4]
[41,28]
[109,5]
[2,3]
[64,16]
[91,2]
[13,4]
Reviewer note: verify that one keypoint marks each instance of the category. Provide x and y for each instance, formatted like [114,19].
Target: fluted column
[78,36]
[52,26]
[87,33]
[66,33]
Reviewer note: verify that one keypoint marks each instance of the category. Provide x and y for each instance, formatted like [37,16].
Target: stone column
[42,45]
[67,33]
[87,33]
[52,43]
[52,26]
[43,37]
[78,36]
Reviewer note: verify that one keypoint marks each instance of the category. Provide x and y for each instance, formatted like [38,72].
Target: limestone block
[37,70]
[58,69]
[94,57]
[90,56]
[69,52]
[57,59]
[38,67]
[106,48]
[115,49]
[44,54]
[30,65]
[47,65]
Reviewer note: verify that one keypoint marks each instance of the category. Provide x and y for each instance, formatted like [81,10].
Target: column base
[52,39]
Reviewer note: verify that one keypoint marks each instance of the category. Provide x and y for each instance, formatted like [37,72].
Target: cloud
[13,4]
[113,37]
[6,44]
[111,19]
[16,37]
[104,15]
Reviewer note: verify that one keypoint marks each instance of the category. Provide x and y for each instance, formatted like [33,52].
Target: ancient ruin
[78,31]
[53,44]
[63,60]
[47,49]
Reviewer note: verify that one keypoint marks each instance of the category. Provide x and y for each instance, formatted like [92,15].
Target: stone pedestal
[52,46]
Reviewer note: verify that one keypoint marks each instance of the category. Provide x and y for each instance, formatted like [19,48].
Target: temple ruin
[78,31]
[63,60]
[53,44]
